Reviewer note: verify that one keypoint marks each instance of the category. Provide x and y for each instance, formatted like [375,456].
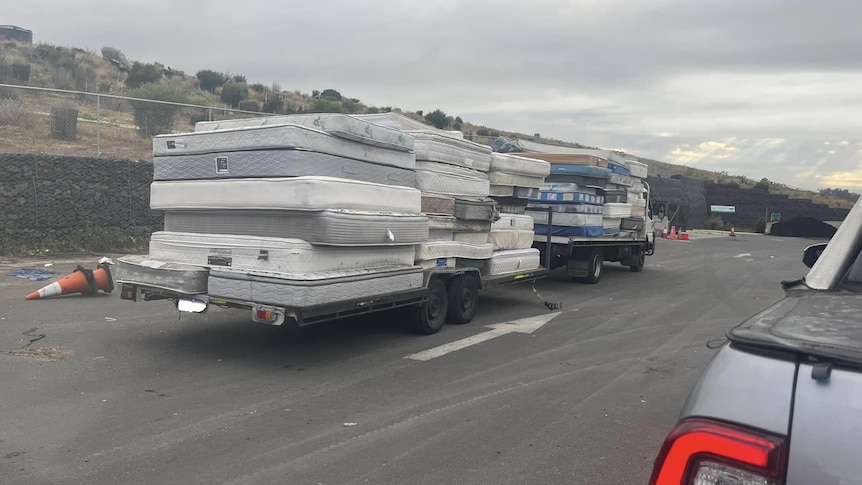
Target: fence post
[98,126]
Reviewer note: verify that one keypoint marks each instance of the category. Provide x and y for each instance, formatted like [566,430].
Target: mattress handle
[263,255]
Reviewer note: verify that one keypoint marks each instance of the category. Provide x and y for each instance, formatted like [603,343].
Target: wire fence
[76,123]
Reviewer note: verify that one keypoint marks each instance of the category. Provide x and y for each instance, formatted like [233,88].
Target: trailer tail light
[129,293]
[267,314]
[706,452]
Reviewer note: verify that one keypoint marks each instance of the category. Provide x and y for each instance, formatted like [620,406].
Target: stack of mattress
[290,210]
[452,175]
[634,223]
[577,211]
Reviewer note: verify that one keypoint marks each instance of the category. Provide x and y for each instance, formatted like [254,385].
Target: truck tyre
[594,270]
[463,299]
[431,315]
[637,268]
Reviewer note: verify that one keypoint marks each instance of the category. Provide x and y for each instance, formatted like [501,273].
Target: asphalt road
[121,392]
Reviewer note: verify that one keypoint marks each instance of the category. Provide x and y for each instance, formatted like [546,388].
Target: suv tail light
[706,452]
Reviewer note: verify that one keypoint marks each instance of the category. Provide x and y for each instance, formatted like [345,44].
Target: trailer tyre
[463,299]
[637,268]
[594,270]
[431,315]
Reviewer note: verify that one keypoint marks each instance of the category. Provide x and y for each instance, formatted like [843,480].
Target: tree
[438,118]
[233,93]
[327,105]
[459,120]
[258,87]
[151,117]
[238,78]
[331,94]
[762,185]
[141,74]
[210,80]
[315,93]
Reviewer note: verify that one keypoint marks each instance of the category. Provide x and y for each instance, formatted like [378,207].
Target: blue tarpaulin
[34,274]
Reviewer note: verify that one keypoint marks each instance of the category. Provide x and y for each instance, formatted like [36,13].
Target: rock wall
[51,198]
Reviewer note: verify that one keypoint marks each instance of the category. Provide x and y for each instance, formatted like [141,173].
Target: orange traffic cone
[683,236]
[84,281]
[732,232]
[672,232]
[664,233]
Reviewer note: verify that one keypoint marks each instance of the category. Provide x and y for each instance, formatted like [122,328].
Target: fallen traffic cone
[85,281]
[683,236]
[672,232]
[732,232]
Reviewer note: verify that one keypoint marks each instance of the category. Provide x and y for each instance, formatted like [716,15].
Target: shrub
[438,118]
[327,105]
[760,226]
[155,118]
[141,74]
[249,105]
[715,222]
[258,87]
[233,93]
[274,105]
[331,94]
[210,80]
[373,110]
[239,78]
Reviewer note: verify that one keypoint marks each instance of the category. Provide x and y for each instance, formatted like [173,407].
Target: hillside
[126,126]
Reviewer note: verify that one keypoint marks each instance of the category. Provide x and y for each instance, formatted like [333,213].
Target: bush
[258,87]
[331,94]
[239,78]
[210,80]
[327,105]
[249,105]
[760,226]
[373,110]
[715,222]
[141,74]
[155,118]
[438,118]
[274,105]
[233,93]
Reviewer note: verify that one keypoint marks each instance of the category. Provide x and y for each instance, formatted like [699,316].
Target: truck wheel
[463,299]
[637,268]
[594,269]
[432,313]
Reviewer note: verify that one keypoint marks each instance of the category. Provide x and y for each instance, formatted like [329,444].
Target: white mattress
[503,239]
[438,204]
[477,210]
[515,180]
[611,222]
[514,222]
[637,169]
[331,227]
[453,249]
[471,237]
[277,163]
[513,164]
[618,179]
[568,219]
[443,179]
[292,256]
[437,263]
[441,235]
[638,211]
[340,125]
[297,193]
[637,202]
[616,209]
[502,191]
[273,137]
[183,278]
[284,290]
[448,223]
[511,261]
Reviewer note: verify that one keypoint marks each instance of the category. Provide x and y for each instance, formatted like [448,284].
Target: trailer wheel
[637,268]
[463,299]
[432,314]
[594,270]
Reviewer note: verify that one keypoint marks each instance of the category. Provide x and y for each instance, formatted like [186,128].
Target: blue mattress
[580,170]
[619,169]
[569,198]
[583,231]
[577,208]
[613,231]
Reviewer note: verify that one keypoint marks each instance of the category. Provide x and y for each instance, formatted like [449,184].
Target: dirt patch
[51,354]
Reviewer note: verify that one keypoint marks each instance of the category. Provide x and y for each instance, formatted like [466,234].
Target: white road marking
[743,255]
[523,325]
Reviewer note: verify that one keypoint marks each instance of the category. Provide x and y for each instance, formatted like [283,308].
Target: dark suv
[781,402]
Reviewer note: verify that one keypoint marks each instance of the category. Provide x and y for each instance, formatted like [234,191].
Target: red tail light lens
[702,452]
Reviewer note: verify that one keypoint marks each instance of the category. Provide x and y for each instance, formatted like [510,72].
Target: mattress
[638,211]
[438,263]
[470,237]
[516,201]
[514,164]
[566,231]
[581,208]
[637,202]
[637,169]
[632,223]
[293,256]
[610,231]
[277,163]
[581,181]
[622,179]
[441,235]
[438,204]
[571,219]
[513,222]
[618,196]
[525,192]
[515,180]
[619,168]
[275,137]
[453,249]
[611,222]
[284,290]
[501,191]
[340,125]
[443,179]
[511,261]
[476,210]
[503,239]
[400,122]
[589,171]
[513,209]
[182,278]
[618,210]
[331,227]
[570,197]
[570,187]
[448,223]
[297,193]
[568,158]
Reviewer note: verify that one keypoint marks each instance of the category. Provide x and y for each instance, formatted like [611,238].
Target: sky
[761,88]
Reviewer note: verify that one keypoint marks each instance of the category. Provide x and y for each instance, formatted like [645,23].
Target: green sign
[723,209]
[775,217]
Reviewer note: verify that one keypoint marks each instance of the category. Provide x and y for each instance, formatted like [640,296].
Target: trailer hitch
[549,305]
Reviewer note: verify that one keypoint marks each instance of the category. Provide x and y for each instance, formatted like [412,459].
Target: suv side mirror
[812,254]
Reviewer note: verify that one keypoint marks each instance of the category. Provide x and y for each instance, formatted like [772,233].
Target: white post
[98,126]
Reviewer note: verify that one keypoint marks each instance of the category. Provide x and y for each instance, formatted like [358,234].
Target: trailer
[583,257]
